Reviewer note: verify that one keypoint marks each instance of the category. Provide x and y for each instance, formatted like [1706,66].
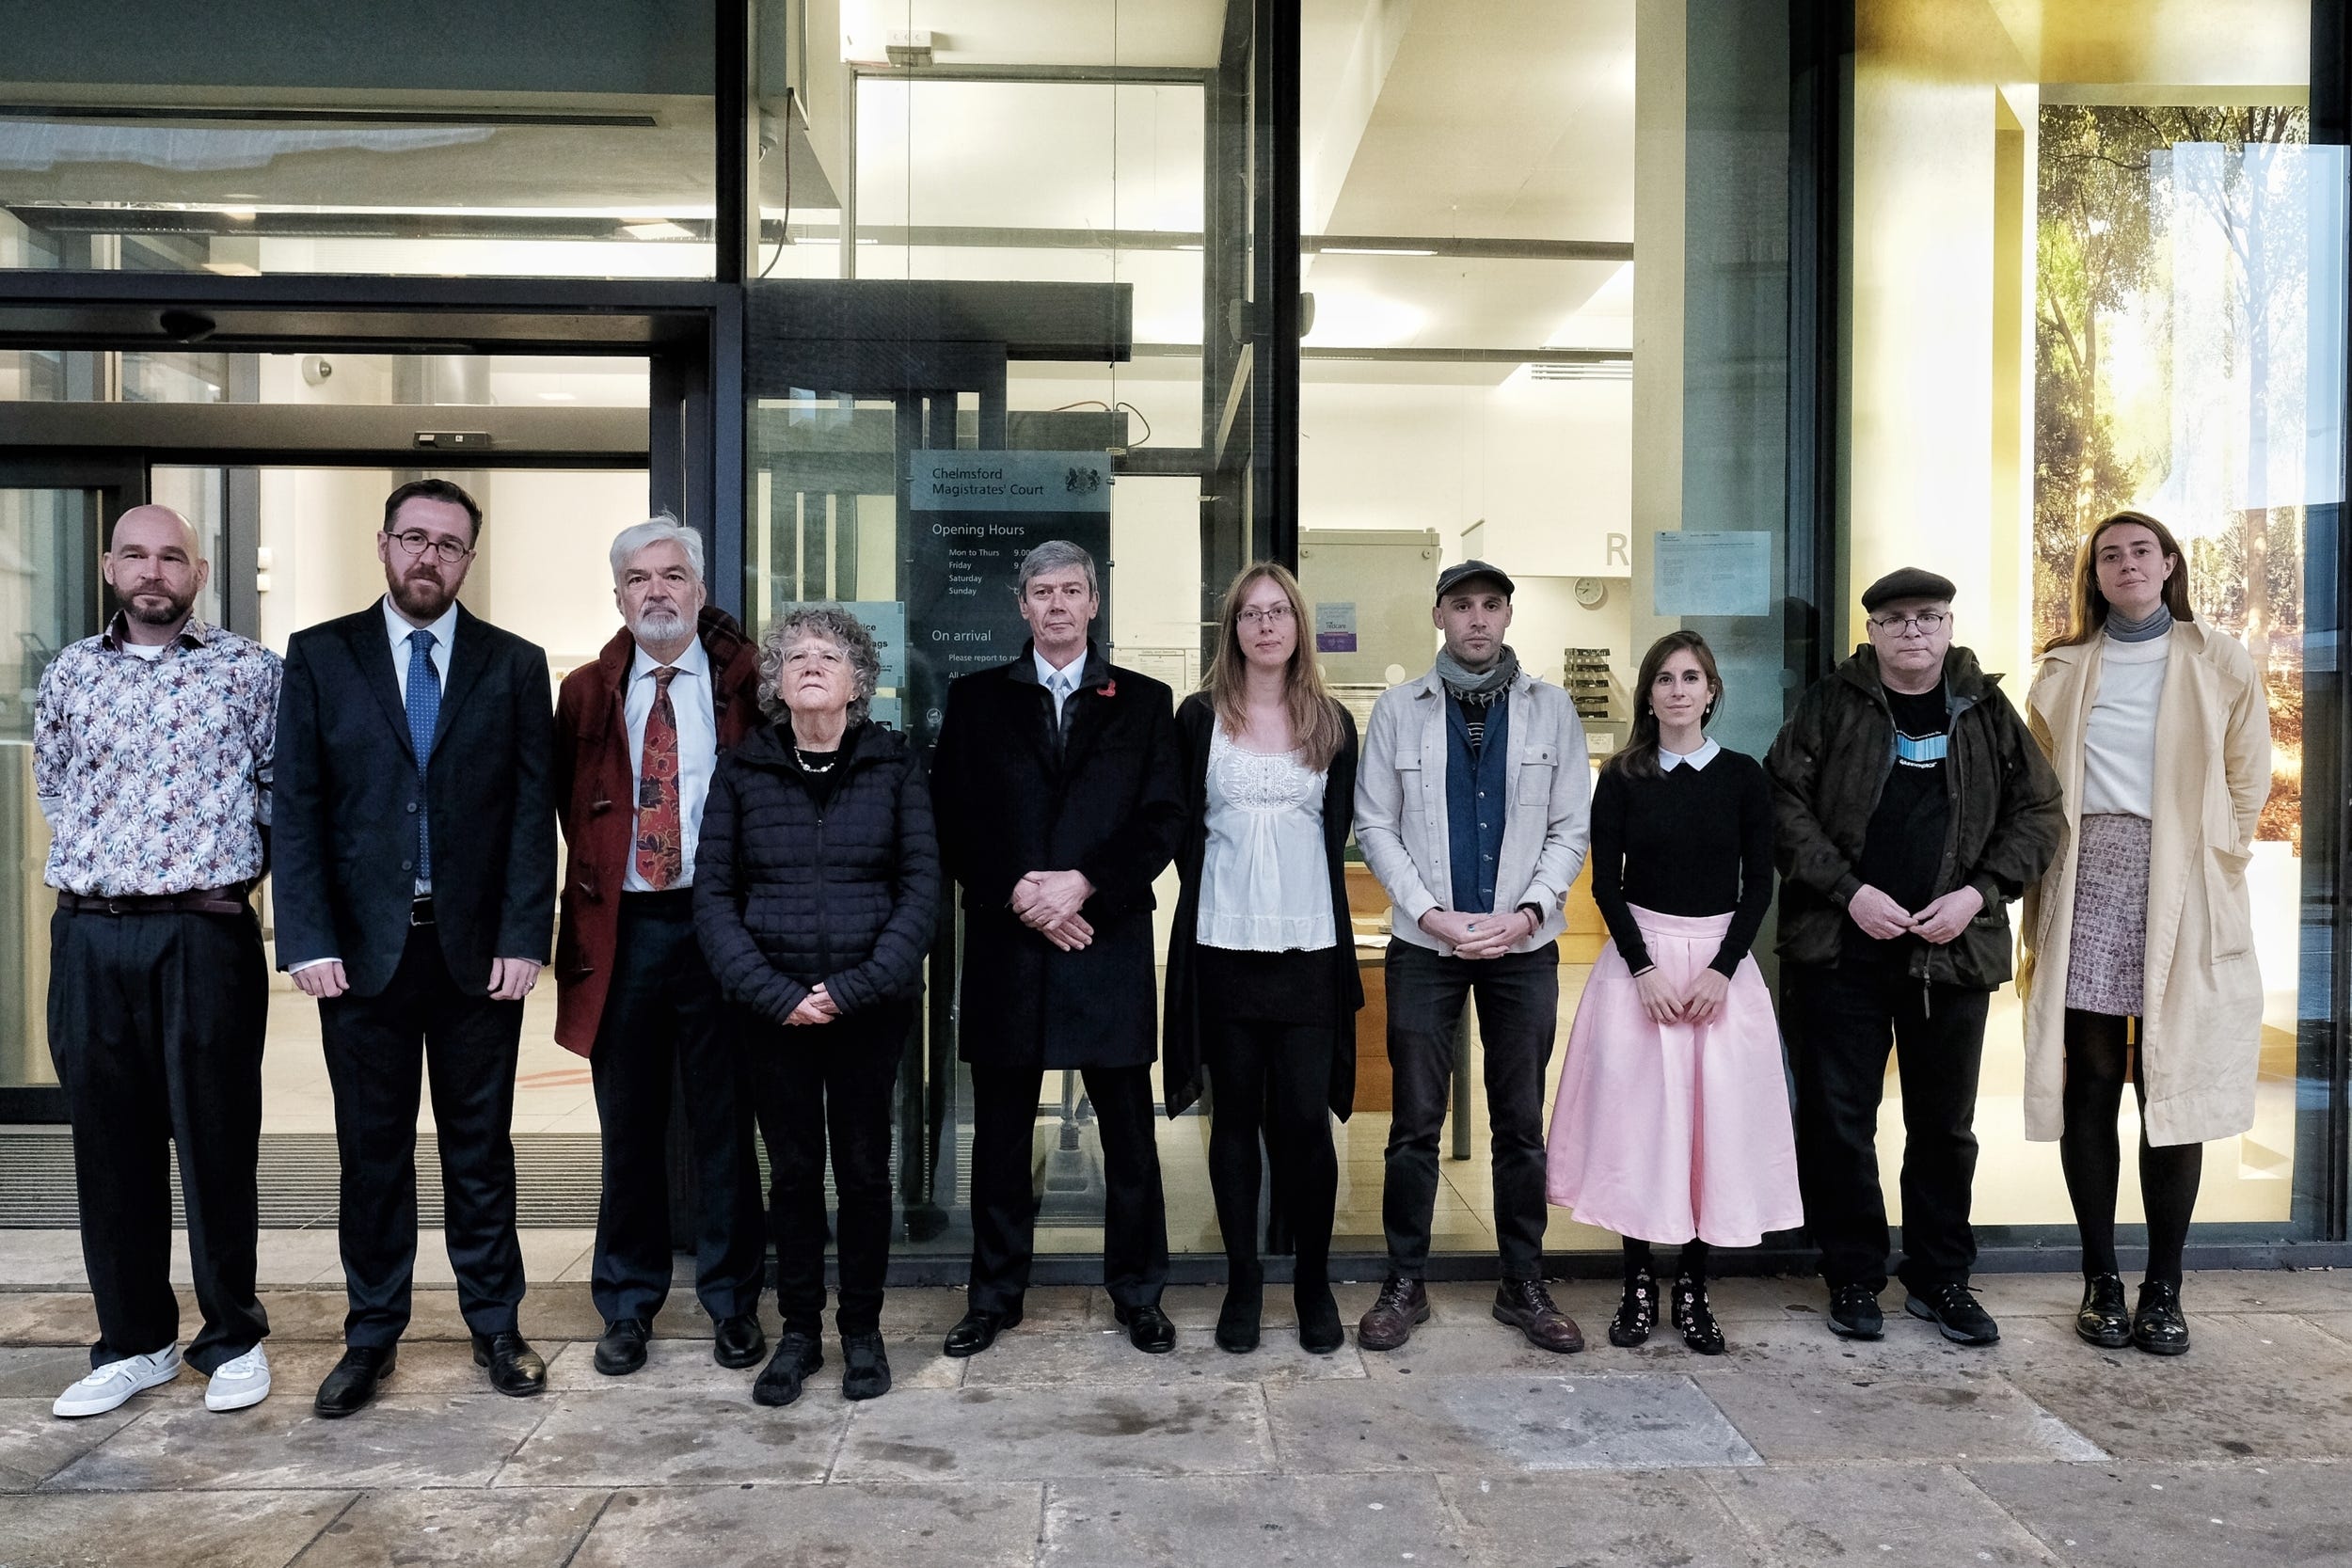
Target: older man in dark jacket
[1913,806]
[1060,797]
[638,735]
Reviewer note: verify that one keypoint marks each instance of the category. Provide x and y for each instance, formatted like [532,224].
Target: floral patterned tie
[661,824]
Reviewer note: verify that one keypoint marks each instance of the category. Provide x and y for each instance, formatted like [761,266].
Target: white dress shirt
[1070,674]
[697,747]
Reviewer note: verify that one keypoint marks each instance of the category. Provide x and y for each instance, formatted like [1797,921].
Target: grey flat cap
[1463,571]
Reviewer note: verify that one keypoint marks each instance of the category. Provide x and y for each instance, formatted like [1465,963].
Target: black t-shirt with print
[1904,847]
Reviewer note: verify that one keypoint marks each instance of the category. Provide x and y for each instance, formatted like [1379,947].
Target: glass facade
[1688,312]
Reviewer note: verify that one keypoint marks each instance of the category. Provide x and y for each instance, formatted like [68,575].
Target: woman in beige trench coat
[2139,956]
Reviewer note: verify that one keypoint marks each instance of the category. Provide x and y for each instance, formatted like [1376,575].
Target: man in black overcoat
[1061,797]
[414,839]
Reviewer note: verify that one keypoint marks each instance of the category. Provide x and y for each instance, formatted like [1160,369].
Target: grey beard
[660,626]
[179,610]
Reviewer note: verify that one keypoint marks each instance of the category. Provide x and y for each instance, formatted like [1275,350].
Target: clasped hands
[1881,917]
[1479,936]
[1048,903]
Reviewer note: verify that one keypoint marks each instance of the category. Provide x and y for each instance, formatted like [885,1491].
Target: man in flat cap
[1913,806]
[1473,808]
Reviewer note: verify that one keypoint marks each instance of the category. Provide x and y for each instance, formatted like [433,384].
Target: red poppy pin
[1110,688]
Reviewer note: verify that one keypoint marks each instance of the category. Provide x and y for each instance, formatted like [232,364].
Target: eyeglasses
[415,541]
[1929,623]
[1272,615]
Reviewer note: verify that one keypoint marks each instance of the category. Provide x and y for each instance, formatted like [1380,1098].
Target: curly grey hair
[837,626]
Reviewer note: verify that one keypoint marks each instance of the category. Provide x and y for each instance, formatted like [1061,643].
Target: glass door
[53,525]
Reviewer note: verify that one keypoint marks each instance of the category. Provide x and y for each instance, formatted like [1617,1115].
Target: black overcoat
[1107,802]
[1180,1067]
[343,830]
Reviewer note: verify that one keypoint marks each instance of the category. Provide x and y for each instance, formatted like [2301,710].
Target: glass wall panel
[2097,263]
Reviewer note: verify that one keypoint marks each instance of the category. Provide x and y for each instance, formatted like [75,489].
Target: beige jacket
[1401,806]
[2200,1027]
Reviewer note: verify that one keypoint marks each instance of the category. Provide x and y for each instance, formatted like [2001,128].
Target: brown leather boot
[1526,1305]
[1403,1303]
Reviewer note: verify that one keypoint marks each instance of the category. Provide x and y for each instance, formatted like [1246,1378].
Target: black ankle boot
[2101,1318]
[1637,1314]
[1244,1304]
[1320,1331]
[1695,1318]
[2158,1327]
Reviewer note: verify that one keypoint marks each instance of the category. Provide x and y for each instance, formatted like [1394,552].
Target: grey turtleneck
[2156,624]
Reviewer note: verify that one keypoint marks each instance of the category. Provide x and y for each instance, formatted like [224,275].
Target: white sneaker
[108,1385]
[240,1383]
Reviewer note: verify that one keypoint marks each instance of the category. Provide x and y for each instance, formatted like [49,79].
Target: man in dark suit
[1061,797]
[415,844]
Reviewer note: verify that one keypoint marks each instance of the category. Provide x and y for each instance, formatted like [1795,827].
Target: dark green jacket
[1828,767]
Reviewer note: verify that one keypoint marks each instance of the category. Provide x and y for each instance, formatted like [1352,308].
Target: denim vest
[1477,794]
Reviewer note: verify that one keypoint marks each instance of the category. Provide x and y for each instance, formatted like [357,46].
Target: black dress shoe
[797,1355]
[741,1342]
[514,1367]
[353,1382]
[1147,1328]
[2158,1327]
[622,1350]
[2102,1319]
[978,1330]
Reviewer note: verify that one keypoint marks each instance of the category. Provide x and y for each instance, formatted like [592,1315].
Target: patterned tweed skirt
[2110,940]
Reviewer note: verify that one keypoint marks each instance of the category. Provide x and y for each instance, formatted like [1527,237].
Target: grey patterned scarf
[1479,687]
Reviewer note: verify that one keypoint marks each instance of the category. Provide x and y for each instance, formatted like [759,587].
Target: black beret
[1907,582]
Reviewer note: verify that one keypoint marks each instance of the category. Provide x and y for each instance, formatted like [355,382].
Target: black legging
[1692,1265]
[1274,1077]
[2098,1058]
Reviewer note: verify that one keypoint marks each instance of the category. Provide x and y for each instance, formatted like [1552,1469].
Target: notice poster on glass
[1711,573]
[971,518]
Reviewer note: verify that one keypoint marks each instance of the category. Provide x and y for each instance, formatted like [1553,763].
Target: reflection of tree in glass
[2132,201]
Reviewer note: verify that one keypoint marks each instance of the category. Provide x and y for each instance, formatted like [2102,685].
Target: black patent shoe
[739,1341]
[353,1382]
[864,1368]
[1149,1329]
[514,1367]
[977,1329]
[2101,1318]
[622,1350]
[1237,1321]
[2158,1327]
[797,1355]
[1637,1314]
[1695,1318]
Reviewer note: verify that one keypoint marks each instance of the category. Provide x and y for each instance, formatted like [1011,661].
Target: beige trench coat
[2200,1027]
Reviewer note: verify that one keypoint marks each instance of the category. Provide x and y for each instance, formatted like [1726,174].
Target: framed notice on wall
[1728,572]
[971,517]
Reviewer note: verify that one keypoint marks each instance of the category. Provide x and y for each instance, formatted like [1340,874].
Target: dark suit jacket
[343,827]
[1110,802]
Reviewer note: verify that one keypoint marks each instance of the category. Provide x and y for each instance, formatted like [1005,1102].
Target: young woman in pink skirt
[1672,1123]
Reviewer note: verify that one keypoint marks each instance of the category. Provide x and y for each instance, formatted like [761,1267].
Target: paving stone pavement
[1063,1445]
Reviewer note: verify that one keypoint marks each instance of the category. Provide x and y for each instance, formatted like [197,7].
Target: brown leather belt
[211,900]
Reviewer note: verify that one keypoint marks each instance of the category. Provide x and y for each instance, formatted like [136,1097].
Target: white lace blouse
[1264,884]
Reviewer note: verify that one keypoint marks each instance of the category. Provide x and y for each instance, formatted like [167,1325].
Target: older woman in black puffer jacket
[816,886]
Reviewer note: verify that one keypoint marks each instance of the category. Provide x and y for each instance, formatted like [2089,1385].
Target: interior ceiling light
[656,229]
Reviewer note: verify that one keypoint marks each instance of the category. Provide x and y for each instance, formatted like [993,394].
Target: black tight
[2098,1058]
[1274,1078]
[1692,1265]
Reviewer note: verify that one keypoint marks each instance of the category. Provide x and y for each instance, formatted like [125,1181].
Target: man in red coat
[638,735]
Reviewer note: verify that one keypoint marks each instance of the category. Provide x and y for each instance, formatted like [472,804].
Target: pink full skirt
[1669,1131]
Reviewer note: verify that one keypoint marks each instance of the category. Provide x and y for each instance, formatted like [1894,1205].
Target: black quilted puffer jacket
[788,895]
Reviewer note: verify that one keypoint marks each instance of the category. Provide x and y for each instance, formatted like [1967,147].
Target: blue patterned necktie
[424,712]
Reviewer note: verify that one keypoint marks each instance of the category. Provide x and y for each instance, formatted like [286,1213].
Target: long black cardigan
[1180,1051]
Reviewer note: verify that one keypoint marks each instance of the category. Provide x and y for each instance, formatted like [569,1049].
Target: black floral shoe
[2102,1319]
[2158,1327]
[1695,1318]
[1637,1314]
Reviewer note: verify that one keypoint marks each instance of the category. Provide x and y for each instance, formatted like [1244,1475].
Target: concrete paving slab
[914,1363]
[1343,1521]
[2284,1515]
[2336,1326]
[664,1437]
[41,1371]
[1833,1418]
[36,1444]
[297,1368]
[1919,1516]
[2196,1406]
[1600,1519]
[43,1261]
[1074,1433]
[1451,1347]
[402,1440]
[508,1527]
[901,1525]
[1106,1358]
[1481,1423]
[219,1530]
[47,1317]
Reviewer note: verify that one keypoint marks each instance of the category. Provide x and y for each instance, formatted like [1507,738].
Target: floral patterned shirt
[154,775]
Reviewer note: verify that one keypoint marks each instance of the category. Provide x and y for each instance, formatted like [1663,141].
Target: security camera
[316,368]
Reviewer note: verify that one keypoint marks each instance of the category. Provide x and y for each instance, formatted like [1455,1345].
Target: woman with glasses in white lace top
[1261,982]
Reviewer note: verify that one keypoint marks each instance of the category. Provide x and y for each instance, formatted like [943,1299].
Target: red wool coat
[593,781]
